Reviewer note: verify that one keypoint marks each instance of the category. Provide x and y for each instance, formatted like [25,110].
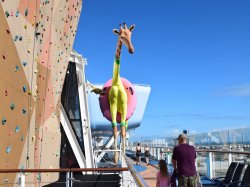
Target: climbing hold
[24,89]
[26,12]
[25,26]
[6,93]
[17,129]
[8,31]
[16,38]
[4,57]
[22,166]
[8,149]
[24,64]
[21,138]
[12,106]
[20,38]
[24,111]
[33,138]
[29,92]
[7,13]
[4,121]
[17,13]
[16,69]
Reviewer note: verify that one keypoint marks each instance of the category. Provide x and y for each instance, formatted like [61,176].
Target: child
[163,178]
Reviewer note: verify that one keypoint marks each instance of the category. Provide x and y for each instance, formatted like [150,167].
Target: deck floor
[148,173]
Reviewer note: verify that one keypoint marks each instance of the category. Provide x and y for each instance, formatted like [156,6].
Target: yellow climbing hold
[33,138]
[29,92]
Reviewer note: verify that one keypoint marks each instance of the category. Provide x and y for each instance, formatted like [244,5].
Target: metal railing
[209,162]
[69,180]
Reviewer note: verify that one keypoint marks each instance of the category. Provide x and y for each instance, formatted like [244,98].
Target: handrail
[61,170]
[214,151]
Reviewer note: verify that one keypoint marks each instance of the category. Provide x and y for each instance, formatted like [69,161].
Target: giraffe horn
[125,26]
[120,26]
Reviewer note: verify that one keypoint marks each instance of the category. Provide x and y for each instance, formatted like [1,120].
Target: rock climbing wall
[36,38]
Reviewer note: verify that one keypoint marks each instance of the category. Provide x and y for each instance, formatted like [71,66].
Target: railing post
[158,153]
[209,160]
[229,158]
[68,179]
[169,158]
[21,180]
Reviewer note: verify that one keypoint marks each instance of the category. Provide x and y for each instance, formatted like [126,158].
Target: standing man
[183,160]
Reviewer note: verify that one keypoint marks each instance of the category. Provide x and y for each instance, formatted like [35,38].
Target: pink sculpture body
[104,100]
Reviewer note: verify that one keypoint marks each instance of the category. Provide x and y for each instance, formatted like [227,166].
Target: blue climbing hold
[17,68]
[8,149]
[16,38]
[17,129]
[17,13]
[24,64]
[24,89]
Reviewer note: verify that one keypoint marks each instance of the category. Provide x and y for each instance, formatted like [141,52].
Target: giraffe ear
[115,31]
[132,27]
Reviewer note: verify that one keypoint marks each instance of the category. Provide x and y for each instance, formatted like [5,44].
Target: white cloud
[238,90]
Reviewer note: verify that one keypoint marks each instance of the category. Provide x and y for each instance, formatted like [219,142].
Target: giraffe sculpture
[117,94]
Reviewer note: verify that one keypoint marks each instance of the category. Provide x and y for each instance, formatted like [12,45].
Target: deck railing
[209,162]
[69,180]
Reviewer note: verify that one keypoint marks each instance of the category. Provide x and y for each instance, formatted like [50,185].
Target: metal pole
[210,164]
[67,179]
[21,180]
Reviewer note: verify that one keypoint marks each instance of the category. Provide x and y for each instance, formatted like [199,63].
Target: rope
[46,87]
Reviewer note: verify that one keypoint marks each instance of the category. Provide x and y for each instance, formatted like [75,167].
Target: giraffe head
[124,34]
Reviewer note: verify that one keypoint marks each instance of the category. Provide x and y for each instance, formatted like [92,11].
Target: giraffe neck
[116,67]
[118,49]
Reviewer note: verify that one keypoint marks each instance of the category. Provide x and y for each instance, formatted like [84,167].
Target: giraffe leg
[115,133]
[123,111]
[113,100]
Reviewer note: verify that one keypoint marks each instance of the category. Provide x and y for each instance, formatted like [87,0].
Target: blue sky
[195,55]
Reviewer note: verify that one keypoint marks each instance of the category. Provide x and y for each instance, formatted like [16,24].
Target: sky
[195,55]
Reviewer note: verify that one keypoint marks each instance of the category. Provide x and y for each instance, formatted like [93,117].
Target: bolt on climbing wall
[36,41]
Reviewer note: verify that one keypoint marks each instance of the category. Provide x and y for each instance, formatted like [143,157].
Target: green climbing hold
[4,121]
[12,106]
[24,111]
[22,166]
[7,13]
[26,12]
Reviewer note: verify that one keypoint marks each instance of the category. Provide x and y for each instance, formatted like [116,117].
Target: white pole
[21,180]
